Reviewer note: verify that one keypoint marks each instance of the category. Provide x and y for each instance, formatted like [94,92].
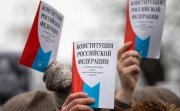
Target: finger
[81,108]
[74,96]
[80,101]
[127,62]
[123,49]
[130,61]
[131,53]
[133,69]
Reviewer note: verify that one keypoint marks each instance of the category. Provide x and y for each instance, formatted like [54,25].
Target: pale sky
[78,19]
[15,14]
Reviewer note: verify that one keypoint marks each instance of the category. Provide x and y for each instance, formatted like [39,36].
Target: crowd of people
[128,97]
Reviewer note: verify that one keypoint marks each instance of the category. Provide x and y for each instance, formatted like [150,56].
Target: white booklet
[144,26]
[43,41]
[94,70]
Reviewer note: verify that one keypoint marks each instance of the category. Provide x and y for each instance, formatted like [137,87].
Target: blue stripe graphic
[41,61]
[142,46]
[93,92]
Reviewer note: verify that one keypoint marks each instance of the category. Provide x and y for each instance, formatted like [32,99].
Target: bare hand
[128,69]
[77,102]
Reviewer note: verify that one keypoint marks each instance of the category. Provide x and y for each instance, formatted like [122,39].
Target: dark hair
[156,93]
[153,105]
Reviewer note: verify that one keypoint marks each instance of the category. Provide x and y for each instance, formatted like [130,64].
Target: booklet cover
[144,26]
[94,70]
[43,41]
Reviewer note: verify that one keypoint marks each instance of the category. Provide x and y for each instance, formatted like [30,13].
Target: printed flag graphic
[144,27]
[43,41]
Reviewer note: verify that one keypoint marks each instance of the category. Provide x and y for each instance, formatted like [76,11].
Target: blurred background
[84,20]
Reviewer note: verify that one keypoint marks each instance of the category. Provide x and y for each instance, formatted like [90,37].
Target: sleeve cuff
[121,105]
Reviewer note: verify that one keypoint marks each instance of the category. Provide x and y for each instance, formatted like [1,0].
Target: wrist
[124,95]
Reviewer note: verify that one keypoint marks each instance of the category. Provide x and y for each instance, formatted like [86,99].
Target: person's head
[31,101]
[153,105]
[57,78]
[156,93]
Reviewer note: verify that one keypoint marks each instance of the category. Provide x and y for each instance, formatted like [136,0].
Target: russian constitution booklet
[94,70]
[144,26]
[43,41]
